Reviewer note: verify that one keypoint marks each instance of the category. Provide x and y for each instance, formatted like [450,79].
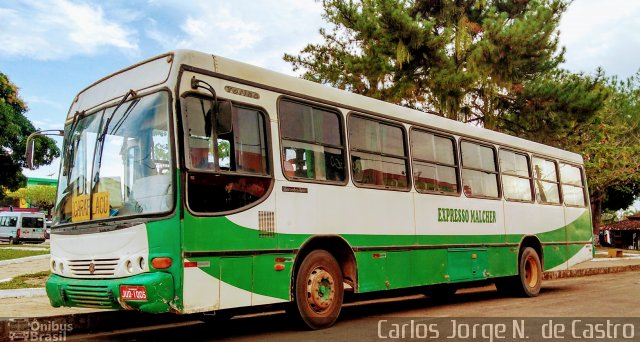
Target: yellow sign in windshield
[99,209]
[80,208]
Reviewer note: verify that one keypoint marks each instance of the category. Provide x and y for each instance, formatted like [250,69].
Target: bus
[192,183]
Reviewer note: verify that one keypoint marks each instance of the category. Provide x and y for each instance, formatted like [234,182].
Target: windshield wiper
[97,154]
[69,154]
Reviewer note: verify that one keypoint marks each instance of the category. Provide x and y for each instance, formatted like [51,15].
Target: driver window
[198,115]
[229,169]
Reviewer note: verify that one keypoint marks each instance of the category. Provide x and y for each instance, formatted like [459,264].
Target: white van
[16,227]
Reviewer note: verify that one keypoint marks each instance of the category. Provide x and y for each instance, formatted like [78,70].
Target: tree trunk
[596,213]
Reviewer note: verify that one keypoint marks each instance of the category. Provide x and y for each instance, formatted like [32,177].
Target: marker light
[160,263]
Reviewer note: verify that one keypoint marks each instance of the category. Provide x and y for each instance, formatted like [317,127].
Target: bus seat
[153,193]
[289,168]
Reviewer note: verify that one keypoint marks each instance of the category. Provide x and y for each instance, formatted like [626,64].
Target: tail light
[18,233]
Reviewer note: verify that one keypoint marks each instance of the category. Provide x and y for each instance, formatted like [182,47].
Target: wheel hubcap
[320,290]
[531,272]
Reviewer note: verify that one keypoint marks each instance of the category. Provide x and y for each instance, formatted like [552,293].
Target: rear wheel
[12,241]
[530,273]
[318,290]
[529,279]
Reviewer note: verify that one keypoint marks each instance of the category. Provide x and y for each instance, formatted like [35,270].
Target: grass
[26,281]
[23,245]
[6,254]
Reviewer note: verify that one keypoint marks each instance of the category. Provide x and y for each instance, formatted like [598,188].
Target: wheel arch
[533,242]
[338,247]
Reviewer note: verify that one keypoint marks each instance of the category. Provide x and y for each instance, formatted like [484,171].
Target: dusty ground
[603,296]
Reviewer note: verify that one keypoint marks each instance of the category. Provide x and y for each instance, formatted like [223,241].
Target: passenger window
[479,174]
[516,178]
[378,155]
[545,178]
[572,185]
[312,143]
[434,163]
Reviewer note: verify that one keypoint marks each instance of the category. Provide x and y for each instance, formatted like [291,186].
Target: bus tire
[319,290]
[529,279]
[530,273]
[12,240]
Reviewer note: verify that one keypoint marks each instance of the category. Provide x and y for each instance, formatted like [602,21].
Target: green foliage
[460,59]
[41,196]
[490,62]
[14,130]
[557,108]
[224,149]
[612,153]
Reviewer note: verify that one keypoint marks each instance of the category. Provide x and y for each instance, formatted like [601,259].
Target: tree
[459,59]
[597,117]
[40,196]
[493,63]
[612,149]
[14,130]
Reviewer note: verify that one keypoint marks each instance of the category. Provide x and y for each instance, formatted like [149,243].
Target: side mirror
[31,144]
[224,117]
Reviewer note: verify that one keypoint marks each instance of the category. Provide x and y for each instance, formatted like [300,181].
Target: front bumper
[105,293]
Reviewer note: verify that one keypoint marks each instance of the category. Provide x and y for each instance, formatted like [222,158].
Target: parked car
[47,229]
[16,227]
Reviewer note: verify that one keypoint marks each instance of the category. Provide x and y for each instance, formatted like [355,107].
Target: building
[622,234]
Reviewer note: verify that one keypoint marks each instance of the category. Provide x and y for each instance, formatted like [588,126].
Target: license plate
[130,292]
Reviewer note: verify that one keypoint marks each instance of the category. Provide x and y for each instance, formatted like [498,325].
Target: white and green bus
[194,183]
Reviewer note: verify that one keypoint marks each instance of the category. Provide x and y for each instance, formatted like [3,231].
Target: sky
[52,49]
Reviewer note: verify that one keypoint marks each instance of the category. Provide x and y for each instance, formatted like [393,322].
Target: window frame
[583,181]
[235,104]
[343,138]
[530,178]
[188,171]
[456,161]
[557,182]
[406,157]
[496,164]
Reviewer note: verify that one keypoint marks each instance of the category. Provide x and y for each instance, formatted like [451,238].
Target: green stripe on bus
[426,266]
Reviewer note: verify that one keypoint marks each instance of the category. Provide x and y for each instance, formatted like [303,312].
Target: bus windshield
[117,162]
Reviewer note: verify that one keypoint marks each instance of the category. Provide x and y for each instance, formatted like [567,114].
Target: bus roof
[261,77]
[160,66]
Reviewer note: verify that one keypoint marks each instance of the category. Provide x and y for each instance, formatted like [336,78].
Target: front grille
[90,296]
[101,267]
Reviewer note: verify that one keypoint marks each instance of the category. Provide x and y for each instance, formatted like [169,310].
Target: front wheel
[319,290]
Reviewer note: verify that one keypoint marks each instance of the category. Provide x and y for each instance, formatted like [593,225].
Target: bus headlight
[129,266]
[141,263]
